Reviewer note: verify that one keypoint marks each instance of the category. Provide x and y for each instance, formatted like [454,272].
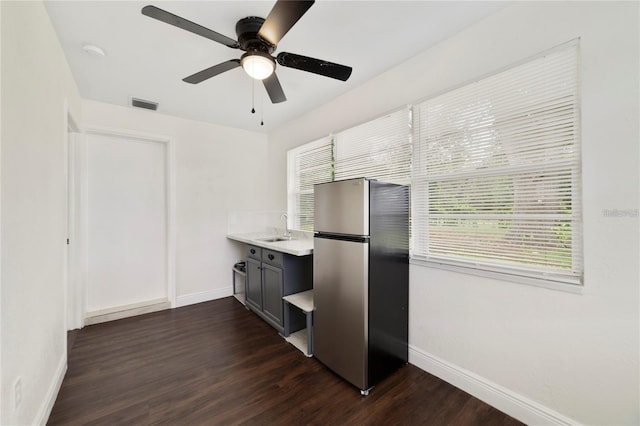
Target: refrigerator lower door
[340,292]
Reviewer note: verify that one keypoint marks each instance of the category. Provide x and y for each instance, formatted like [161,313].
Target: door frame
[74,289]
[169,194]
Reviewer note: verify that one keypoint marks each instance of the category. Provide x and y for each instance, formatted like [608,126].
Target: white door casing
[74,289]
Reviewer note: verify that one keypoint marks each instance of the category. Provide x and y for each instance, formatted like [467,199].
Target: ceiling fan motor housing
[248,39]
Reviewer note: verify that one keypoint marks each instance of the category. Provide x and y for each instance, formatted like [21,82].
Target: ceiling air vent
[144,104]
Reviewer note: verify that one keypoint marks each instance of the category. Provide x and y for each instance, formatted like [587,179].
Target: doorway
[129,254]
[74,296]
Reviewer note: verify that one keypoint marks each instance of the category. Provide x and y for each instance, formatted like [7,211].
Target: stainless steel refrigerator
[361,279]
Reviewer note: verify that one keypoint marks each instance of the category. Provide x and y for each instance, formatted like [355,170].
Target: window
[307,165]
[494,168]
[379,149]
[496,178]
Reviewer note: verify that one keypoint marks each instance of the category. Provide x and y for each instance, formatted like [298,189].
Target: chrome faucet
[287,233]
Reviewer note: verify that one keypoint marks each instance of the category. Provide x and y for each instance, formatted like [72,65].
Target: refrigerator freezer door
[342,207]
[340,292]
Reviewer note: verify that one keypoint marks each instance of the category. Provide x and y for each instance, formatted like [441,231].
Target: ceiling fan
[259,38]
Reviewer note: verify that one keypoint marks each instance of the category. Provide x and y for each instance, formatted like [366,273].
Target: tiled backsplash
[241,222]
[255,221]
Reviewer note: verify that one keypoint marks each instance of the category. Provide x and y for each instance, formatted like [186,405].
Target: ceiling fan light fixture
[258,65]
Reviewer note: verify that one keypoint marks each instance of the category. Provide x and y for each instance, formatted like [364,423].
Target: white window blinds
[307,165]
[496,178]
[378,149]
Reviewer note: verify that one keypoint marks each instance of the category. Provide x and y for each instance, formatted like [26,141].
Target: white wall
[217,170]
[539,354]
[35,82]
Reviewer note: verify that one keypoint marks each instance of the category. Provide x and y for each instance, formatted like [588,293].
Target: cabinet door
[254,284]
[272,293]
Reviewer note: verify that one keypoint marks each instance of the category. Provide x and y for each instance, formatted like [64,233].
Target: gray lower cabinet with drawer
[271,275]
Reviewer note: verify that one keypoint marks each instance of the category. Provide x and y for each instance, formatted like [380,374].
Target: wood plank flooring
[218,363]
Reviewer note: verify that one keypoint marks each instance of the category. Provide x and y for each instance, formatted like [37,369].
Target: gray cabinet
[272,296]
[254,283]
[271,275]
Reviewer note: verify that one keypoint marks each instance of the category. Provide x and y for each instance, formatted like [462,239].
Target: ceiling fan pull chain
[253,90]
[261,108]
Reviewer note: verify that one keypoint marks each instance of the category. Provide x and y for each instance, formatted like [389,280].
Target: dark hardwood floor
[218,363]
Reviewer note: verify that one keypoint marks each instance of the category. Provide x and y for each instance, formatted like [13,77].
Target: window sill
[566,287]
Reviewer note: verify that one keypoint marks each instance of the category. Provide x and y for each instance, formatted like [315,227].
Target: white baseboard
[126,311]
[44,412]
[203,296]
[505,400]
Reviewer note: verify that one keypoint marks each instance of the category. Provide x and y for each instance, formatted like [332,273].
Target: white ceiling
[146,58]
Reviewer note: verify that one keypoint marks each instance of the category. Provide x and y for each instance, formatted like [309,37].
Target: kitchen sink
[274,239]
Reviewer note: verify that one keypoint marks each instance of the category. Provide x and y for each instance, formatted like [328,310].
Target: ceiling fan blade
[177,21]
[274,89]
[283,16]
[316,66]
[212,71]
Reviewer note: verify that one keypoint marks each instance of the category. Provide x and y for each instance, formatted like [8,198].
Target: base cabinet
[272,284]
[271,275]
[254,283]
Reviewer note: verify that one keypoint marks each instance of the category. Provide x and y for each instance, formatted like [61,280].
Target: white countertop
[298,246]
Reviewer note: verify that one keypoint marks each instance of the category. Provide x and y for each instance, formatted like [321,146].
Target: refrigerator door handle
[341,237]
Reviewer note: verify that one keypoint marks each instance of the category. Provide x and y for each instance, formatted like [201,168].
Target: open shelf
[299,341]
[239,295]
